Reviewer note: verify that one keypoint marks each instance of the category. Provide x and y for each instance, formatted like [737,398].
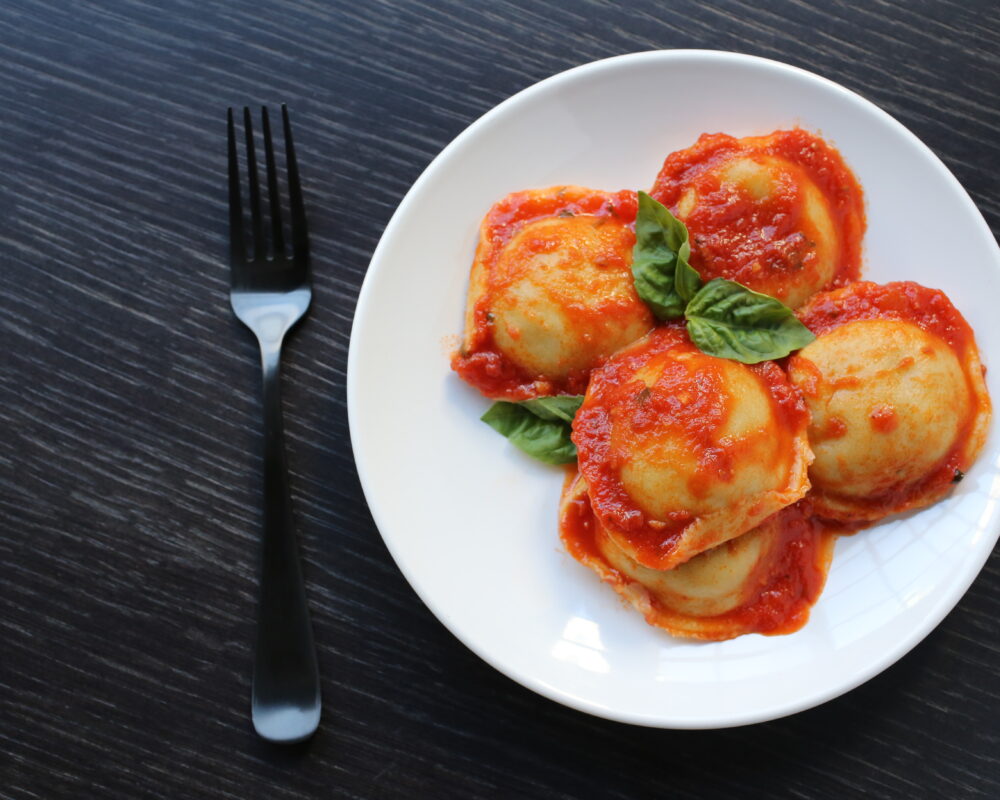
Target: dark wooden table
[129,407]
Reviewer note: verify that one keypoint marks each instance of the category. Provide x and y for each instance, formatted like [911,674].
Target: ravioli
[764,581]
[551,293]
[895,388]
[781,214]
[683,451]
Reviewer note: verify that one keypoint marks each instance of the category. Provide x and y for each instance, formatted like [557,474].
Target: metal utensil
[269,294]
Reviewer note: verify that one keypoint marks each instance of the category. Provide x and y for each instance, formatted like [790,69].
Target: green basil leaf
[561,407]
[663,278]
[540,427]
[728,320]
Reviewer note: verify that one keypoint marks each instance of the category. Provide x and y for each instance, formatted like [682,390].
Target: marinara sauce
[931,311]
[788,582]
[767,241]
[480,361]
[690,398]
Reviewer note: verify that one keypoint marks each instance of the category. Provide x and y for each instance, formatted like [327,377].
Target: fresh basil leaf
[728,320]
[561,407]
[540,427]
[687,281]
[663,278]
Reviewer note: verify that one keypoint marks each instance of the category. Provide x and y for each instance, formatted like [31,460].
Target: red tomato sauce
[481,363]
[692,404]
[884,419]
[788,589]
[759,242]
[796,579]
[928,309]
[932,311]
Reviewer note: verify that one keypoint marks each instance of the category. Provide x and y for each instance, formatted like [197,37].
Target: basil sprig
[540,426]
[724,318]
[728,320]
[663,278]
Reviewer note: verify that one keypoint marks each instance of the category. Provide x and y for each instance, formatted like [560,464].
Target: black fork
[269,294]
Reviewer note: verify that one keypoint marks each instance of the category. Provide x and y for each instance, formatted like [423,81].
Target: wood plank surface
[129,407]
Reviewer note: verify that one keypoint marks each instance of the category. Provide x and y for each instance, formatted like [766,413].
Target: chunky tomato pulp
[928,309]
[764,238]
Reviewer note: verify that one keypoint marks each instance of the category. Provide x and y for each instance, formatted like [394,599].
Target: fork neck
[270,358]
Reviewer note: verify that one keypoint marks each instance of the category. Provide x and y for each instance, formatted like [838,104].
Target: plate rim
[945,602]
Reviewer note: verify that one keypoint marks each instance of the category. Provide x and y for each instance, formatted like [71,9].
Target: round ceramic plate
[471,521]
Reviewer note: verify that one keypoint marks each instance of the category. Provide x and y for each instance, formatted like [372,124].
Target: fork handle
[286,694]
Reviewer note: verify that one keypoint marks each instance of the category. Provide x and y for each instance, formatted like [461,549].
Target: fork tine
[259,251]
[237,243]
[300,236]
[277,237]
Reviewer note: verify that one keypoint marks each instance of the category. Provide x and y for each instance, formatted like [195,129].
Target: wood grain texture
[129,407]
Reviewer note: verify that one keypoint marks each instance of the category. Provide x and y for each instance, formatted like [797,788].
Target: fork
[269,295]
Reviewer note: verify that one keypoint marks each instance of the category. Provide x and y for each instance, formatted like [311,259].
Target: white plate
[471,522]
